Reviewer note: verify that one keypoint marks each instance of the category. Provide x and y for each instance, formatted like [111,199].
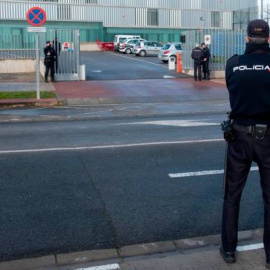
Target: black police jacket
[206,53]
[49,54]
[197,55]
[248,82]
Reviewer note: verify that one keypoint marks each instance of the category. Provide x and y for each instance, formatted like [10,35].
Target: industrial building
[161,20]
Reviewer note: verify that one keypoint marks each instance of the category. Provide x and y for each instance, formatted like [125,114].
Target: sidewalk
[98,93]
[188,254]
[95,93]
[25,82]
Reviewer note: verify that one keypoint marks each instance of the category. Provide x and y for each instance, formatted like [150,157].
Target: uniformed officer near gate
[197,56]
[205,63]
[49,59]
[247,133]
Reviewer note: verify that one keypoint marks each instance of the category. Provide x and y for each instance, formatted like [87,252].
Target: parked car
[170,50]
[120,38]
[143,48]
[127,45]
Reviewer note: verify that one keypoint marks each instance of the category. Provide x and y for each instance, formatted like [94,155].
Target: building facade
[161,20]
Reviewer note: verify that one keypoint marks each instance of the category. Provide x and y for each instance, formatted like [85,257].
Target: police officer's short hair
[197,45]
[258,31]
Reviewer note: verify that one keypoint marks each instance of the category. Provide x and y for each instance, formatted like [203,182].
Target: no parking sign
[36,16]
[66,45]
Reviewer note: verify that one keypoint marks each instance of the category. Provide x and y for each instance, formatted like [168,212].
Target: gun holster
[228,131]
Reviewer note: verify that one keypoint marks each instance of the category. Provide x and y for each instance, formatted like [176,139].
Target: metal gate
[67,46]
[223,45]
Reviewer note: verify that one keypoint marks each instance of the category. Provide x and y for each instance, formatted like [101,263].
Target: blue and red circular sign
[36,16]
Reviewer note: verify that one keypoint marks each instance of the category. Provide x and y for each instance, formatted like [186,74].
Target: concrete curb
[30,102]
[185,246]
[96,102]
[89,117]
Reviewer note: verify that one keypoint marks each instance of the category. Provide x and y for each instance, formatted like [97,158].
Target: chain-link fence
[223,45]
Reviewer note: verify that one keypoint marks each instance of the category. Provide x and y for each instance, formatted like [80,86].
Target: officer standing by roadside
[248,82]
[49,59]
[197,56]
[205,63]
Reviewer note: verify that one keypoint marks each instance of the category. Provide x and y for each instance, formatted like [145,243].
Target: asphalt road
[118,66]
[79,185]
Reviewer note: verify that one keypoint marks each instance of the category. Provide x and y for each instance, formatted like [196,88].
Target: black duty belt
[257,131]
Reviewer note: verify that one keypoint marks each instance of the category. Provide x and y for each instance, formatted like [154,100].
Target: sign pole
[37,65]
[36,17]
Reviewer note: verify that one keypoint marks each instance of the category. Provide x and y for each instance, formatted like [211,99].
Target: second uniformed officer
[248,82]
[205,63]
[49,59]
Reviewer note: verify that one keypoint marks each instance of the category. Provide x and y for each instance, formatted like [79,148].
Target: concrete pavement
[187,254]
[124,98]
[139,91]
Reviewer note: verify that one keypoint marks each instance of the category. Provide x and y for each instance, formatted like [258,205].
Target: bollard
[179,63]
[82,73]
[172,63]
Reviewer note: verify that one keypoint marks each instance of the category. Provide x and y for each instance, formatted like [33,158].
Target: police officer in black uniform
[49,59]
[248,82]
[197,56]
[205,63]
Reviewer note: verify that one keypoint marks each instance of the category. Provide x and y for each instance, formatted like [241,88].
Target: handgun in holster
[227,128]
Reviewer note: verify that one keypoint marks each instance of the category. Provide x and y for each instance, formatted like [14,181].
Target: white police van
[120,38]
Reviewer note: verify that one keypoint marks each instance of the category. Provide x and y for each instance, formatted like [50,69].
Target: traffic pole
[37,66]
[179,63]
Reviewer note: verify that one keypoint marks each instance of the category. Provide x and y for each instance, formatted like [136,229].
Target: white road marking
[106,146]
[168,77]
[135,59]
[250,247]
[103,267]
[178,123]
[37,109]
[96,71]
[202,173]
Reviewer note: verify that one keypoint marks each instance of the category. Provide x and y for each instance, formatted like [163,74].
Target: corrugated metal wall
[223,5]
[131,13]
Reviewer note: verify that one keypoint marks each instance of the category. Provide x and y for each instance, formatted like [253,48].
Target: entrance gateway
[67,46]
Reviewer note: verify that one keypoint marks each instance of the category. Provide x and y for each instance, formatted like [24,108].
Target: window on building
[215,19]
[90,1]
[152,17]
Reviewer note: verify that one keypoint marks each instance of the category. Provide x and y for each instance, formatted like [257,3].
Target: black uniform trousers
[206,70]
[49,67]
[197,71]
[241,152]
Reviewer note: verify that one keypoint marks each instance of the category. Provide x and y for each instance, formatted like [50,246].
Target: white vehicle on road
[170,50]
[120,38]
